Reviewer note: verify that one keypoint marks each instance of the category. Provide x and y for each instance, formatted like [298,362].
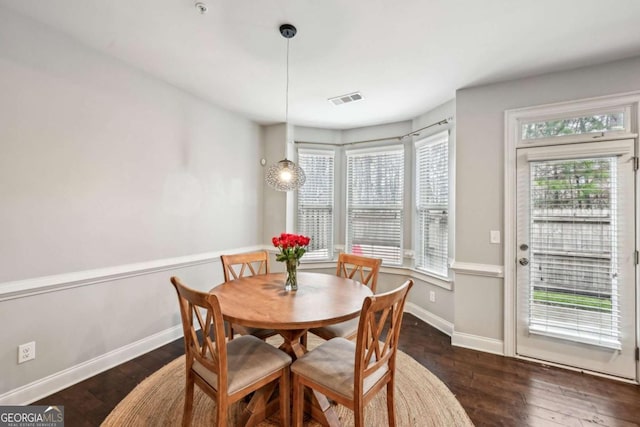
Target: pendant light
[286,175]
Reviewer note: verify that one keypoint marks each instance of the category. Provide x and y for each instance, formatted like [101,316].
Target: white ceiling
[405,56]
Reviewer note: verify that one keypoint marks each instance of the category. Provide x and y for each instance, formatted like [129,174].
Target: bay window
[375,196]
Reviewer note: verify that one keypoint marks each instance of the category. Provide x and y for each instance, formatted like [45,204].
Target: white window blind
[375,190]
[575,231]
[315,203]
[432,193]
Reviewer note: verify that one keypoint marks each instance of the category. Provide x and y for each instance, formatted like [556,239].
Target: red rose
[288,242]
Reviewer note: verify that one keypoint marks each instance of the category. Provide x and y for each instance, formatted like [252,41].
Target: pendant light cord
[286,114]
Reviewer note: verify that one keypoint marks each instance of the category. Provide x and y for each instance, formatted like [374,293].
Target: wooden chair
[352,373]
[225,371]
[241,265]
[360,268]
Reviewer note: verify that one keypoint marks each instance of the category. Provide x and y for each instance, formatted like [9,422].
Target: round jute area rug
[421,399]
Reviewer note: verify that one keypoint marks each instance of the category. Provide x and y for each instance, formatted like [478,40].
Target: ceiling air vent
[345,99]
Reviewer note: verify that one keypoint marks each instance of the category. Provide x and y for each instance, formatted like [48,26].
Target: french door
[575,251]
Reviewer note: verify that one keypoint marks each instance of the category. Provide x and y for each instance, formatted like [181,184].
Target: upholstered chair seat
[248,361]
[331,366]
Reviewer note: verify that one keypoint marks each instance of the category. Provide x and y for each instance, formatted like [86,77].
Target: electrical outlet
[26,351]
[494,237]
[432,296]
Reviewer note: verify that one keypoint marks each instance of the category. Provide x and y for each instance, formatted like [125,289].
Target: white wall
[479,305]
[317,136]
[102,165]
[275,202]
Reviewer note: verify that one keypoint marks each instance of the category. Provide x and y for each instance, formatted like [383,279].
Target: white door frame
[631,102]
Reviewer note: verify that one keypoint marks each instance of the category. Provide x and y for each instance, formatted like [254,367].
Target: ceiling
[405,57]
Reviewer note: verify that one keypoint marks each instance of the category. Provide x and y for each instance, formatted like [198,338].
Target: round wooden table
[261,302]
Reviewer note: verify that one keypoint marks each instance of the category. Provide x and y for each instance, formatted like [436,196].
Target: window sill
[399,271]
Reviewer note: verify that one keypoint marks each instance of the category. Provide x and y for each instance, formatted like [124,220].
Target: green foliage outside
[580,301]
[579,184]
[573,126]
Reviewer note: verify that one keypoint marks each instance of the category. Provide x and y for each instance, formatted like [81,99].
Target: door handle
[523,261]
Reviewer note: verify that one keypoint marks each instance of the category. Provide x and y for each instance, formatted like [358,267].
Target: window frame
[437,138]
[331,235]
[513,119]
[385,149]
[560,113]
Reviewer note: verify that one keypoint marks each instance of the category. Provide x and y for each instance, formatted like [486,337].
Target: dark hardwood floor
[494,390]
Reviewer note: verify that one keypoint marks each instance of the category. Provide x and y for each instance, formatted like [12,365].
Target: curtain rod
[399,138]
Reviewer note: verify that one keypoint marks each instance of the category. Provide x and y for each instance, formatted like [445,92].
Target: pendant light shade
[286,175]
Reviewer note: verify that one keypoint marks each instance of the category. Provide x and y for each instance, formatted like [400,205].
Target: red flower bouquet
[292,247]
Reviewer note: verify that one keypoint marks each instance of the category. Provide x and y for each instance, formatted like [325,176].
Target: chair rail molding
[44,284]
[473,269]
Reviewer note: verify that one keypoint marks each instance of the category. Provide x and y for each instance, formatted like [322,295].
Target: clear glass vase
[292,275]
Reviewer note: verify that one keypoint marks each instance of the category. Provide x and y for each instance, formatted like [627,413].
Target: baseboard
[476,342]
[430,318]
[53,383]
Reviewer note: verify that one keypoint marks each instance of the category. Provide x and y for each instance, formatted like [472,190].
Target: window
[575,125]
[432,194]
[315,202]
[375,189]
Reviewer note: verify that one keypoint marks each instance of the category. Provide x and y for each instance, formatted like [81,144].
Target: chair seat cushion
[248,360]
[332,364]
[346,329]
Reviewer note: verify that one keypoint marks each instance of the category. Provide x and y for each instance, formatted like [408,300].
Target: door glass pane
[573,272]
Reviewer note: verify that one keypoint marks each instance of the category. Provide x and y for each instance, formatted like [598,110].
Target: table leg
[292,345]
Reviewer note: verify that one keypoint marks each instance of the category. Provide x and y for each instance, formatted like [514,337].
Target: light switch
[495,237]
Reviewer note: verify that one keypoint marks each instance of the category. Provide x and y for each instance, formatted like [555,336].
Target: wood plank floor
[494,390]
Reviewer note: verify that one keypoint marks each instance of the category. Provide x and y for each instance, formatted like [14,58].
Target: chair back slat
[378,331]
[363,269]
[209,346]
[246,264]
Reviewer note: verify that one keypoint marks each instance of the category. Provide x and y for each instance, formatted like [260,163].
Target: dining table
[261,301]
